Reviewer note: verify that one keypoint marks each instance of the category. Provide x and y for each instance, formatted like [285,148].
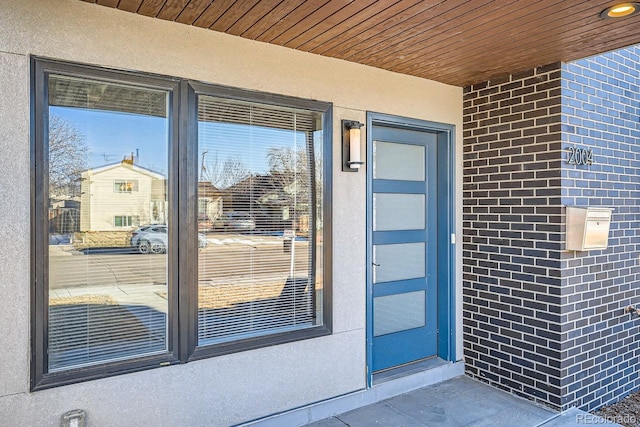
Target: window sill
[208,351]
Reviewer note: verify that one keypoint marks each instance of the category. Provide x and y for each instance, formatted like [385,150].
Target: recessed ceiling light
[621,10]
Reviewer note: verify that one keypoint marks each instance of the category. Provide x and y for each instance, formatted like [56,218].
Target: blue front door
[403,209]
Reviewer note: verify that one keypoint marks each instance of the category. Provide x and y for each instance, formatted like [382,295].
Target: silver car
[153,239]
[239,221]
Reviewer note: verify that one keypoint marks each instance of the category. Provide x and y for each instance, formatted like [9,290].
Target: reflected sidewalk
[149,295]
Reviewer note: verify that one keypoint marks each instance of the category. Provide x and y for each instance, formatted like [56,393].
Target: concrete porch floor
[458,402]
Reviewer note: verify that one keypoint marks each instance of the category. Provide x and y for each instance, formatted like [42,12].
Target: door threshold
[407,369]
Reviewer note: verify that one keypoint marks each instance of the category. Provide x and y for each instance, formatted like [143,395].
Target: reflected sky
[110,136]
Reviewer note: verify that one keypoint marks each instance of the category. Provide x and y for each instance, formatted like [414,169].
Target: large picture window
[261,172]
[244,183]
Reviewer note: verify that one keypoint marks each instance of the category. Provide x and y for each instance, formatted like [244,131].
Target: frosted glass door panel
[404,162]
[399,312]
[399,262]
[393,211]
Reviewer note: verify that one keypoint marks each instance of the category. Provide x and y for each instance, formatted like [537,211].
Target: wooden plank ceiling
[459,42]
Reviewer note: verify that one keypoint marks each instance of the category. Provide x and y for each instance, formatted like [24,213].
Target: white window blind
[261,174]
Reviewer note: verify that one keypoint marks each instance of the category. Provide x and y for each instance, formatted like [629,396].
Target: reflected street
[227,259]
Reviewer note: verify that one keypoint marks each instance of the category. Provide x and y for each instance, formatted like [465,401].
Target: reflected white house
[210,202]
[121,196]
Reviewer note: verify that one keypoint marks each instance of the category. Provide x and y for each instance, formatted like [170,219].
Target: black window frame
[183,213]
[192,89]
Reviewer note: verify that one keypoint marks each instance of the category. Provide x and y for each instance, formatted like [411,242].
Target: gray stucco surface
[204,393]
[14,232]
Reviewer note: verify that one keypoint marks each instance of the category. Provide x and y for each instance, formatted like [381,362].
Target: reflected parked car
[153,239]
[238,221]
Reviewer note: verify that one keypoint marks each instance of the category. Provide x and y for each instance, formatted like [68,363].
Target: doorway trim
[446,229]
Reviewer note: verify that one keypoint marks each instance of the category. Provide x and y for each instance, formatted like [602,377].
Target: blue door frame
[445,189]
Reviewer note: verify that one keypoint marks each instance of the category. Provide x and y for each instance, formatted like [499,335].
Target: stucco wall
[227,389]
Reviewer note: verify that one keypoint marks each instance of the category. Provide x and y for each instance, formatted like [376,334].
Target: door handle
[376,265]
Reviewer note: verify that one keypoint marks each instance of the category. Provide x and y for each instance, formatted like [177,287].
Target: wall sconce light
[351,142]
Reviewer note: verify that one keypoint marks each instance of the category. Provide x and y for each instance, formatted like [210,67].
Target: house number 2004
[579,156]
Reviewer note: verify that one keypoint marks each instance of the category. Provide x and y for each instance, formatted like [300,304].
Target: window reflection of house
[276,201]
[125,186]
[121,195]
[210,202]
[126,220]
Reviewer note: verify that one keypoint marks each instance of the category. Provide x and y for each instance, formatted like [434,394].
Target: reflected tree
[223,174]
[289,171]
[68,157]
[233,172]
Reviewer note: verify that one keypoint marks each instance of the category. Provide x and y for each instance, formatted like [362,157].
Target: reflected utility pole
[203,167]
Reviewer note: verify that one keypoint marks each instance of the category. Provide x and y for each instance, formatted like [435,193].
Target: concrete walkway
[460,401]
